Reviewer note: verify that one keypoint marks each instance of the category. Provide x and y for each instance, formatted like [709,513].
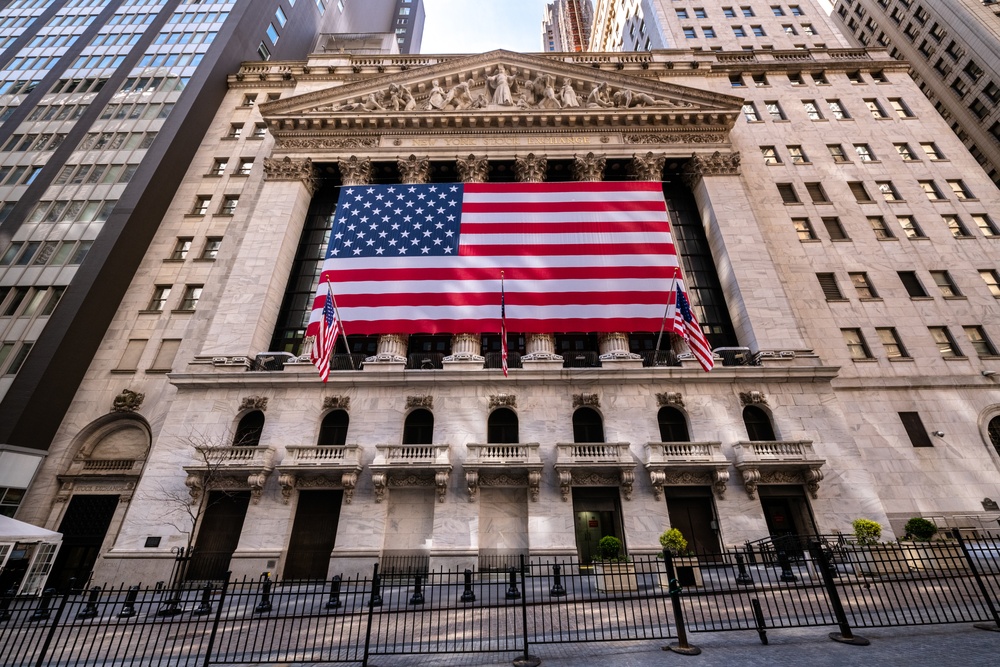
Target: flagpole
[666,310]
[340,320]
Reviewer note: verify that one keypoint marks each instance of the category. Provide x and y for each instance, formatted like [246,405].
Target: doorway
[692,512]
[596,514]
[219,534]
[84,527]
[314,533]
[787,513]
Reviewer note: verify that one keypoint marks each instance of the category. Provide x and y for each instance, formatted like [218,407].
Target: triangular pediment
[499,83]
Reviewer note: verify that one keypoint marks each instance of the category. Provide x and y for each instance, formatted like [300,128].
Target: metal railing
[404,608]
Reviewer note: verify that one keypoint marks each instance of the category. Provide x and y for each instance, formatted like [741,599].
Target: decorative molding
[503,401]
[414,169]
[287,169]
[127,401]
[589,167]
[420,402]
[648,167]
[676,138]
[716,164]
[753,397]
[589,400]
[670,398]
[311,143]
[530,168]
[355,170]
[337,403]
[253,403]
[473,169]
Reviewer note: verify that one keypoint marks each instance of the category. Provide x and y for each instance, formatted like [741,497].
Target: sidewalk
[919,646]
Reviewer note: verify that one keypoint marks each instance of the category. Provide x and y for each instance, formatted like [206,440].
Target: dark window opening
[418,429]
[501,427]
[587,426]
[758,424]
[249,430]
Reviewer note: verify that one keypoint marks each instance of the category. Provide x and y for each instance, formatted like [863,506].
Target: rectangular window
[906,153]
[192,293]
[864,152]
[859,191]
[817,193]
[985,224]
[738,31]
[750,113]
[875,107]
[181,248]
[235,131]
[930,189]
[856,345]
[160,295]
[788,194]
[931,151]
[992,280]
[804,229]
[211,249]
[797,155]
[980,343]
[18,358]
[960,190]
[774,110]
[891,343]
[795,79]
[888,190]
[229,203]
[915,429]
[828,283]
[812,110]
[863,285]
[219,167]
[770,154]
[259,131]
[130,358]
[835,229]
[912,284]
[837,109]
[879,227]
[945,343]
[758,31]
[944,282]
[837,153]
[245,166]
[760,80]
[201,204]
[272,33]
[899,106]
[955,226]
[164,359]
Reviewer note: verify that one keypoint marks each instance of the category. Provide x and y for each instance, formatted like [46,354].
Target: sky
[474,26]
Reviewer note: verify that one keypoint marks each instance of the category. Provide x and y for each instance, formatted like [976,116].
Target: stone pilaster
[589,167]
[414,169]
[244,310]
[473,169]
[355,170]
[648,167]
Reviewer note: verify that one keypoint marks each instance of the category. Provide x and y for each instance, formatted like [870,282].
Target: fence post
[845,636]
[557,590]
[215,622]
[744,578]
[995,625]
[526,659]
[758,617]
[682,646]
[375,601]
[512,592]
[418,593]
[334,601]
[264,605]
[52,630]
[467,594]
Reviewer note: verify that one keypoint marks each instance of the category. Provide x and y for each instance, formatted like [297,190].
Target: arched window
[418,429]
[673,426]
[994,430]
[333,430]
[587,426]
[248,432]
[758,424]
[501,427]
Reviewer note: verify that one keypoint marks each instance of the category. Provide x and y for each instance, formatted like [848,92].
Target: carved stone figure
[409,104]
[393,100]
[569,99]
[460,97]
[598,98]
[500,85]
[127,401]
[437,96]
[548,98]
[374,102]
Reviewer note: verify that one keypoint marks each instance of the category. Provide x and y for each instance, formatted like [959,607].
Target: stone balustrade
[778,462]
[510,464]
[687,463]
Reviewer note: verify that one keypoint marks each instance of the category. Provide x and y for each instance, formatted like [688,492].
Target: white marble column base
[621,363]
[473,364]
[541,364]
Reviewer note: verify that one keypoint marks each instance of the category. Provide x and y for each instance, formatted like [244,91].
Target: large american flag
[427,258]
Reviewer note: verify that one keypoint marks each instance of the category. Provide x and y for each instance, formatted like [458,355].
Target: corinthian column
[538,347]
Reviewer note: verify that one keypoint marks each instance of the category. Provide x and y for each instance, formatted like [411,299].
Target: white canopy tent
[19,542]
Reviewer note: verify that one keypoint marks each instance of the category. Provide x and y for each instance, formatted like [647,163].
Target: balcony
[514,464]
[594,464]
[778,462]
[320,467]
[687,463]
[228,468]
[411,465]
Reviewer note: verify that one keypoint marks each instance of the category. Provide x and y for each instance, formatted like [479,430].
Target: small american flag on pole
[687,327]
[503,329]
[326,337]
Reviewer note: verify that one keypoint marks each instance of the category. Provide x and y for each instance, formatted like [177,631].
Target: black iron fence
[829,582]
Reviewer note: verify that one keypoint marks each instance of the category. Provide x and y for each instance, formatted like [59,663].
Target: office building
[566,26]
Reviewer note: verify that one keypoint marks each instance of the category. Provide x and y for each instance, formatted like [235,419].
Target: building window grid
[945,342]
[980,341]
[891,343]
[992,279]
[945,284]
[192,294]
[856,345]
[863,285]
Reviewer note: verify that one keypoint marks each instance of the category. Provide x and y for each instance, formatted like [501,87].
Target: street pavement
[914,646]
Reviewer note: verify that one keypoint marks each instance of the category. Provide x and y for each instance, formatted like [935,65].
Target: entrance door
[787,513]
[219,534]
[84,527]
[597,513]
[691,512]
[313,534]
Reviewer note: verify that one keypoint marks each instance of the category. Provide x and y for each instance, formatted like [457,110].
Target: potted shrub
[871,557]
[686,565]
[614,572]
[924,554]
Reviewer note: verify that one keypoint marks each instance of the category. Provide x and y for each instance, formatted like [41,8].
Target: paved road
[927,646]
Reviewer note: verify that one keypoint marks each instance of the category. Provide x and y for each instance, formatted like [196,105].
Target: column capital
[716,164]
[473,169]
[287,169]
[648,167]
[530,168]
[355,170]
[589,167]
[414,169]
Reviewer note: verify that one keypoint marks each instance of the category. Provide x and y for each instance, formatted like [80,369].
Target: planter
[935,556]
[879,559]
[614,577]
[688,573]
